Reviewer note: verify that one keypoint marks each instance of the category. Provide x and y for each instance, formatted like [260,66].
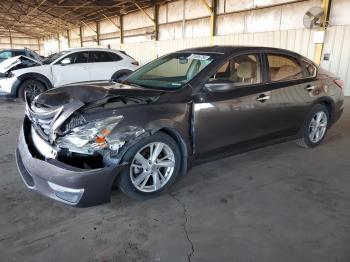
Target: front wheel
[30,88]
[154,166]
[315,127]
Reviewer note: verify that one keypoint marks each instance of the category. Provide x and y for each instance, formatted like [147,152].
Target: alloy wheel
[318,127]
[32,91]
[152,167]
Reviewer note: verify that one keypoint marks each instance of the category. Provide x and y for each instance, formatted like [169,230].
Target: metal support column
[213,15]
[121,28]
[326,5]
[11,44]
[81,36]
[156,22]
[68,38]
[58,42]
[98,33]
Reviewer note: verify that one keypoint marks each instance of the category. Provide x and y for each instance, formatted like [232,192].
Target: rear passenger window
[310,70]
[98,57]
[284,68]
[115,57]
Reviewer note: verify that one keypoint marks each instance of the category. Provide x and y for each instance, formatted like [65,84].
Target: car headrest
[245,70]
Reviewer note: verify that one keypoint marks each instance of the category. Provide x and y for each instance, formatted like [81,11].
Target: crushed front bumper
[59,181]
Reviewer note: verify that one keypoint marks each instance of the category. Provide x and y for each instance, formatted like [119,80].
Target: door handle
[263,98]
[309,88]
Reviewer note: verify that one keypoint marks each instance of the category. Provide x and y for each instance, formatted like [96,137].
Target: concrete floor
[280,203]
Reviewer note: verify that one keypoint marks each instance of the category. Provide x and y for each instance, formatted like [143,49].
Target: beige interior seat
[246,72]
[285,72]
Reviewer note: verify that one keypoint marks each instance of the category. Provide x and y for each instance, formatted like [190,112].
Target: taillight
[135,63]
[339,83]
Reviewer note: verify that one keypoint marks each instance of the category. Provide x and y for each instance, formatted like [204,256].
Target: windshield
[53,57]
[171,71]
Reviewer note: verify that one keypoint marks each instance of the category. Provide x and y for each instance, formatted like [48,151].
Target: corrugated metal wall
[185,24]
[298,40]
[337,45]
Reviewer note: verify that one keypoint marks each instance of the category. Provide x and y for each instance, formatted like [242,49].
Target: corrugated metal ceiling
[40,18]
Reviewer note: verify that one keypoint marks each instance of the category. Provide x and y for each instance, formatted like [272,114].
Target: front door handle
[263,98]
[309,88]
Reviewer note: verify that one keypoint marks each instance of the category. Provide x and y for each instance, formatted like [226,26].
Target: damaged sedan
[79,141]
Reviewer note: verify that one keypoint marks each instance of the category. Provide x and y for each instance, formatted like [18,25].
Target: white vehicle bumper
[8,86]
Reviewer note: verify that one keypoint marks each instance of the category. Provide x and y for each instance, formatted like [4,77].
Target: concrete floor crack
[184,226]
[6,133]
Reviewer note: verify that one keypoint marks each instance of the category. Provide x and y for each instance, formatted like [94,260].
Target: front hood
[89,92]
[12,62]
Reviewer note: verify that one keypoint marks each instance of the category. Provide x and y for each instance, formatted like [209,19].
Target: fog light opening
[70,195]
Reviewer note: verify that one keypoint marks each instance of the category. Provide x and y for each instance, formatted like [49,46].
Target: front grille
[43,118]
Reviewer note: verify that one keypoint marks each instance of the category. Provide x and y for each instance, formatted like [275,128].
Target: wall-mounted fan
[313,17]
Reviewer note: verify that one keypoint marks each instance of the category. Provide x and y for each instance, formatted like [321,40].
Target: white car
[21,74]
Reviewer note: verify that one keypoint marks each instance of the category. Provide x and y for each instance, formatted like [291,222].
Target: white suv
[20,75]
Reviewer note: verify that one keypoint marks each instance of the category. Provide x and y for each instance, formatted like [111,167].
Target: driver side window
[77,58]
[241,71]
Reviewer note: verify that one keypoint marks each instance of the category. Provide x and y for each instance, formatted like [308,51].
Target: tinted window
[5,54]
[282,68]
[115,57]
[16,53]
[241,70]
[99,56]
[79,57]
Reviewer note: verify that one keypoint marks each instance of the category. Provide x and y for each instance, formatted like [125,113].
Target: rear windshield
[171,71]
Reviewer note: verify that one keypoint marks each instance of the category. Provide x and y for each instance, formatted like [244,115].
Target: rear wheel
[154,166]
[32,88]
[315,127]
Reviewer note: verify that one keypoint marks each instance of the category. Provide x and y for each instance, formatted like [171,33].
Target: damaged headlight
[91,137]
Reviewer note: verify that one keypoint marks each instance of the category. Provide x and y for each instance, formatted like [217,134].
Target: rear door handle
[309,88]
[263,98]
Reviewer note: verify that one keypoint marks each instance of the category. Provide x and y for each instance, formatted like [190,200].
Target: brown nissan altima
[186,107]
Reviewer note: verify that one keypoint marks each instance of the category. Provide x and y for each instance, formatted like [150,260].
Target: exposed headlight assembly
[90,137]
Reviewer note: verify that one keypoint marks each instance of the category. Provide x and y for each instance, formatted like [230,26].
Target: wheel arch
[34,76]
[182,145]
[329,104]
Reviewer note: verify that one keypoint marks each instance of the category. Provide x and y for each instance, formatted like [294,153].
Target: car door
[75,68]
[104,64]
[232,112]
[291,85]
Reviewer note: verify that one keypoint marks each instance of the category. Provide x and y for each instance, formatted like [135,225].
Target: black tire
[124,179]
[34,88]
[305,140]
[121,75]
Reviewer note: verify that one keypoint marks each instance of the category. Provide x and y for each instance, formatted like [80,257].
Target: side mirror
[66,61]
[221,86]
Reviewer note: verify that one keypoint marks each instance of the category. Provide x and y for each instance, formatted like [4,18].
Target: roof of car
[91,49]
[231,49]
[228,49]
[14,49]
